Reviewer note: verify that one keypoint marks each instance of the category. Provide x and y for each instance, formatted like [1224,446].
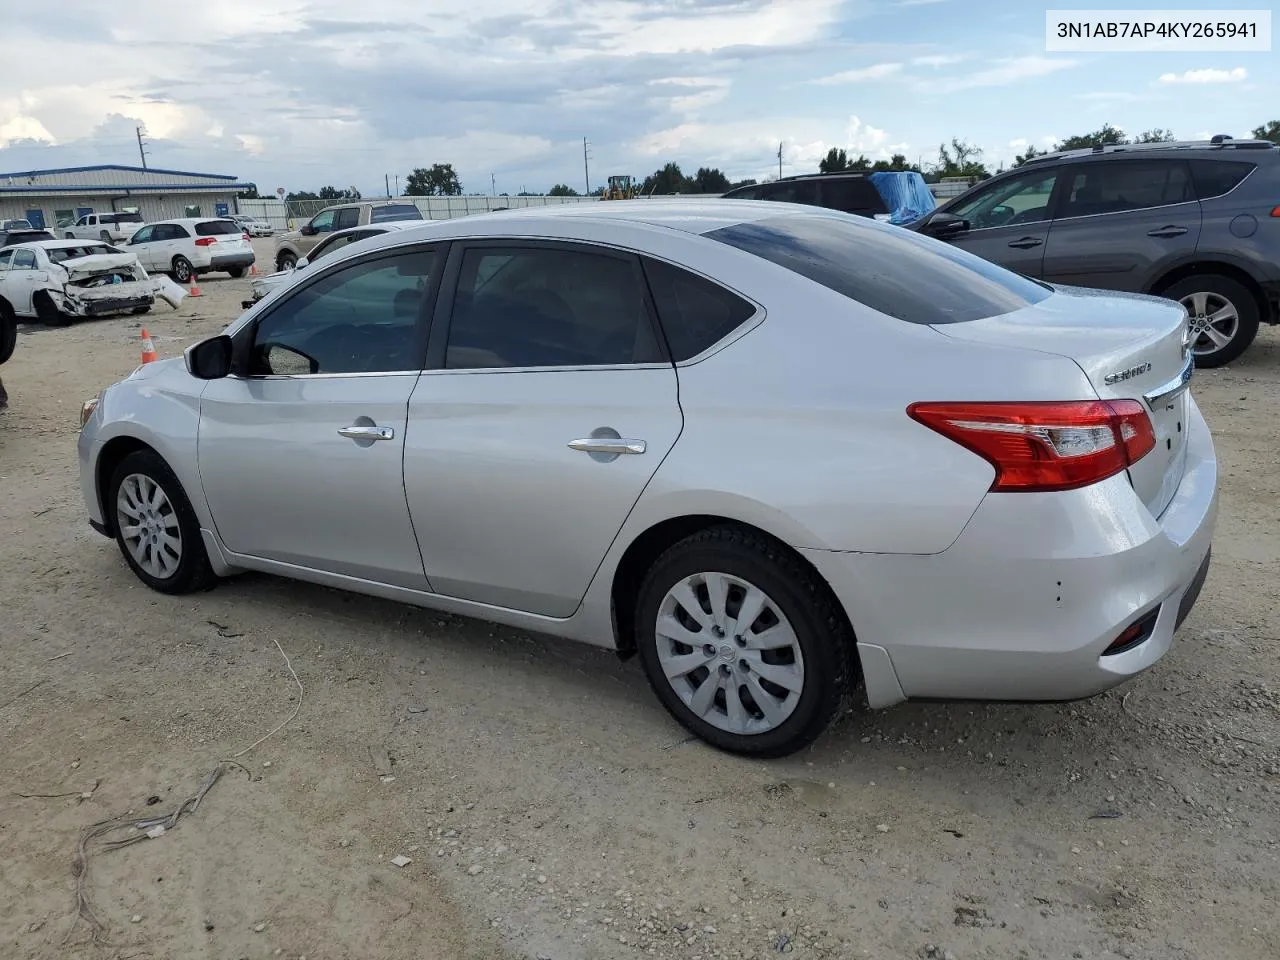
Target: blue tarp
[905,194]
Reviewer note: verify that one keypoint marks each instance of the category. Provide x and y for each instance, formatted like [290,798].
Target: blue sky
[299,93]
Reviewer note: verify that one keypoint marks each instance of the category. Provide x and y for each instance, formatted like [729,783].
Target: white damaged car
[58,281]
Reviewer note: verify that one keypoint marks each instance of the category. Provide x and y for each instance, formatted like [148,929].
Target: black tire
[8,331]
[138,311]
[236,272]
[193,572]
[286,260]
[70,236]
[105,236]
[46,312]
[182,270]
[825,639]
[1239,297]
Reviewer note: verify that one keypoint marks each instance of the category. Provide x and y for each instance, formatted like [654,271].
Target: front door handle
[608,445]
[1169,231]
[1026,243]
[356,432]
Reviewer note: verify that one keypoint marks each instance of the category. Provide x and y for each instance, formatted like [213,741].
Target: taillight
[1037,445]
[1275,211]
[206,241]
[245,234]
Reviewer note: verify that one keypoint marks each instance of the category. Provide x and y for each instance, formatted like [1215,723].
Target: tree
[333,193]
[562,190]
[749,182]
[302,195]
[1269,131]
[961,159]
[667,180]
[439,180]
[835,161]
[895,164]
[250,194]
[1104,137]
[710,180]
[1158,135]
[1031,154]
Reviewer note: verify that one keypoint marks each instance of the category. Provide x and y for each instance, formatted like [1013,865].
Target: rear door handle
[1026,243]
[367,433]
[608,445]
[1169,231]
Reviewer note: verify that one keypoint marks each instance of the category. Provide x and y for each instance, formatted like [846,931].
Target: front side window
[1010,202]
[145,235]
[24,260]
[363,318]
[894,271]
[1116,186]
[323,222]
[548,307]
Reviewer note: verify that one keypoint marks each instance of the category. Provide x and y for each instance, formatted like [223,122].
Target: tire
[1212,294]
[822,660]
[182,270]
[46,312]
[285,260]
[236,272]
[8,331]
[174,571]
[69,236]
[138,311]
[105,236]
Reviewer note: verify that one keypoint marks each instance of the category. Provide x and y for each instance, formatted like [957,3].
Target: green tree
[1106,136]
[1031,154]
[895,164]
[302,195]
[333,193]
[562,190]
[438,180]
[1268,131]
[961,159]
[1158,135]
[748,182]
[835,161]
[710,180]
[667,180]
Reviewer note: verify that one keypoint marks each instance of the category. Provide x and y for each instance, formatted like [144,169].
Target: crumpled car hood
[80,267]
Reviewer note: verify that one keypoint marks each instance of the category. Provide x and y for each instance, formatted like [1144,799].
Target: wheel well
[115,451]
[649,546]
[1202,267]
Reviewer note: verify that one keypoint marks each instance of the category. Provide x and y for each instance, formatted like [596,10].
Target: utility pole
[586,169]
[779,161]
[141,152]
[493,185]
[386,181]
[397,184]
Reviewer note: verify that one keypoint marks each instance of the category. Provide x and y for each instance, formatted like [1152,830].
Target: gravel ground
[548,806]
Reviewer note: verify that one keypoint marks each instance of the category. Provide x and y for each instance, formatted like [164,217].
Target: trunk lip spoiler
[1167,391]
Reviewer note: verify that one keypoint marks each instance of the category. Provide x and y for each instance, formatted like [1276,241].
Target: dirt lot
[550,808]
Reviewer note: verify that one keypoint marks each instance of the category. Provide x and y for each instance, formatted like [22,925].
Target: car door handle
[367,433]
[1169,231]
[1026,243]
[609,445]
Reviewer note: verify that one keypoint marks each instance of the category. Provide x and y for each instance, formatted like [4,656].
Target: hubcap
[149,526]
[1213,321]
[729,653]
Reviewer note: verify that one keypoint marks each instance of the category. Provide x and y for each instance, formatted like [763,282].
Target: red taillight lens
[246,234]
[1038,446]
[206,241]
[1275,211]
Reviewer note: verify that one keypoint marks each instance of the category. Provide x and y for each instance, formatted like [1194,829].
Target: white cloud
[877,71]
[1004,72]
[938,59]
[1208,75]
[23,128]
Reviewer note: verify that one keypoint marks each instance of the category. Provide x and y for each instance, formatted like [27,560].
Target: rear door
[1009,220]
[547,405]
[1122,223]
[346,217]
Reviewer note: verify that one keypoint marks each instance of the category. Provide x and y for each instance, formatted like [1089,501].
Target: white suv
[193,246]
[111,227]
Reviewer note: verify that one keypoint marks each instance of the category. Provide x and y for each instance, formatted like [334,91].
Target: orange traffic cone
[253,269]
[195,290]
[148,348]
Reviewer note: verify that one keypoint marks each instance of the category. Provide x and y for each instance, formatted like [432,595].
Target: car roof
[152,223]
[1218,148]
[62,244]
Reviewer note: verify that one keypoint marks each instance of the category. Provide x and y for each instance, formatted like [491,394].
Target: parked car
[57,281]
[296,244]
[338,240]
[896,196]
[110,227]
[779,452]
[1195,222]
[252,225]
[193,246]
[21,235]
[18,224]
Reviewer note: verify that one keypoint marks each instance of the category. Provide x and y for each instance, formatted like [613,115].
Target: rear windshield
[119,218]
[889,269]
[58,254]
[216,228]
[395,211]
[25,236]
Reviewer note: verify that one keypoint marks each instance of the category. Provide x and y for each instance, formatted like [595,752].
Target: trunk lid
[1130,347]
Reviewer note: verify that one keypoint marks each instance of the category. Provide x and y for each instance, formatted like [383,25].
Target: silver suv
[1197,222]
[296,244]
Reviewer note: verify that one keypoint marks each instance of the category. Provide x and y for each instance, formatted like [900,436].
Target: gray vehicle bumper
[231,260]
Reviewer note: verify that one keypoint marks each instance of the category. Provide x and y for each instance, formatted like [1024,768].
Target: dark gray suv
[1195,222]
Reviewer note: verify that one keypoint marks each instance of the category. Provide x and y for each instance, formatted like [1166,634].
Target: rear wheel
[105,236]
[236,272]
[182,269]
[8,331]
[1223,315]
[137,311]
[47,312]
[285,260]
[743,643]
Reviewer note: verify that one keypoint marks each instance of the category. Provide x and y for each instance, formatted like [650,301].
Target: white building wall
[151,206]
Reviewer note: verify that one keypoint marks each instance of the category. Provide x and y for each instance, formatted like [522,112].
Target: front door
[1009,221]
[22,279]
[301,452]
[143,245]
[546,409]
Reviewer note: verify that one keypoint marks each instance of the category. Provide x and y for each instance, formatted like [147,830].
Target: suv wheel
[1223,315]
[285,260]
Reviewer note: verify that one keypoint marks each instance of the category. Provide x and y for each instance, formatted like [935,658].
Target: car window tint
[853,195]
[793,191]
[745,193]
[336,243]
[1119,185]
[362,318]
[323,222]
[5,257]
[217,228]
[1017,200]
[347,217]
[1213,178]
[889,269]
[144,234]
[548,307]
[58,254]
[24,259]
[694,312]
[395,211]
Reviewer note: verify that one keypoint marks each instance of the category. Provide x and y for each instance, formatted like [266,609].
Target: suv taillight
[1039,446]
[206,241]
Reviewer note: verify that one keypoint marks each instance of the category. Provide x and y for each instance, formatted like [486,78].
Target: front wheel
[156,527]
[743,643]
[1223,317]
[286,261]
[182,269]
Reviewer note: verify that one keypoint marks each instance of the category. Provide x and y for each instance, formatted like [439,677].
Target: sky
[302,93]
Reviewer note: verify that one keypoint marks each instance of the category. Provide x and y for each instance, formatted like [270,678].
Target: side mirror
[209,359]
[307,230]
[943,225]
[301,263]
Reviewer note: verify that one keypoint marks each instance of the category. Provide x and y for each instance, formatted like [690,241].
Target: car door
[301,450]
[142,245]
[1009,220]
[23,278]
[547,406]
[1122,223]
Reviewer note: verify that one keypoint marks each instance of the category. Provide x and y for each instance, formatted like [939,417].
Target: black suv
[1196,222]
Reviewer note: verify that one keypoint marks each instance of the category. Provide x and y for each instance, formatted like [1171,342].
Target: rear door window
[1117,186]
[855,195]
[347,217]
[894,271]
[792,191]
[695,313]
[24,260]
[1213,178]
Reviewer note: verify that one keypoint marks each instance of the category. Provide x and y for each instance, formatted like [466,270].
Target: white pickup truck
[111,227]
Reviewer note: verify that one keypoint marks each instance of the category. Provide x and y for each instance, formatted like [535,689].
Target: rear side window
[853,195]
[745,193]
[347,217]
[120,218]
[1120,185]
[217,228]
[695,313]
[793,191]
[395,211]
[889,269]
[1213,178]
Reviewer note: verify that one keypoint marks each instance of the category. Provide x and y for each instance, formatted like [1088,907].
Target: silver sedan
[788,456]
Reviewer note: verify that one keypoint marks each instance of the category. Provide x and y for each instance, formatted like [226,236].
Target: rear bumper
[1025,602]
[230,260]
[102,308]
